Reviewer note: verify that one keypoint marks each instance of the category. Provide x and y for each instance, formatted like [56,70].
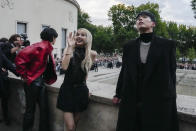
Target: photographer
[4,81]
[10,48]
[24,39]
[13,46]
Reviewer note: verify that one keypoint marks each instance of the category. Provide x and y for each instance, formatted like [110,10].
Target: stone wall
[101,114]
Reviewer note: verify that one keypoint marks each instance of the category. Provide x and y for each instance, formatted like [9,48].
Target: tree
[107,39]
[172,29]
[191,54]
[83,19]
[182,40]
[193,4]
[123,20]
[177,54]
[122,16]
[103,40]
[102,36]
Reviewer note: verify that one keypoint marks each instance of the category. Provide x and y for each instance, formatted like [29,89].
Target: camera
[24,38]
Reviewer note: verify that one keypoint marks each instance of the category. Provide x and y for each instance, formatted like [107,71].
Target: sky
[178,11]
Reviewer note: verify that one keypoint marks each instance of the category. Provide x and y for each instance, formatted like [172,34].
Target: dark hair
[147,13]
[4,40]
[48,34]
[13,38]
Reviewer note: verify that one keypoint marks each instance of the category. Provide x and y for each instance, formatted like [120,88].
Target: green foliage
[102,36]
[122,16]
[191,54]
[177,54]
[107,39]
[186,38]
[193,4]
[123,20]
[103,39]
[173,31]
[83,20]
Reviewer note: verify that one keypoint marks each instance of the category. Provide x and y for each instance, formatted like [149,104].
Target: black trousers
[36,93]
[138,120]
[4,98]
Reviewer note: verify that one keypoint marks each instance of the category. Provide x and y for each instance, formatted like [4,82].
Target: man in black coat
[4,86]
[146,88]
[5,64]
[10,48]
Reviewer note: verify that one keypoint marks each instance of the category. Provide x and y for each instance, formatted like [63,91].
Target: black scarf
[146,37]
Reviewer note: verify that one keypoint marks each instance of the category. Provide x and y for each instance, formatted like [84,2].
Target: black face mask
[146,37]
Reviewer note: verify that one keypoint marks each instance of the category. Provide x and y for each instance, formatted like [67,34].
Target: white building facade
[32,16]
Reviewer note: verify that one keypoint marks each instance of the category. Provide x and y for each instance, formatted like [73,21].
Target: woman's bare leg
[69,121]
[76,118]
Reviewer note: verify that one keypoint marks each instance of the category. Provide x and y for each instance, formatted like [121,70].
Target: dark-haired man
[36,65]
[146,88]
[12,47]
[4,91]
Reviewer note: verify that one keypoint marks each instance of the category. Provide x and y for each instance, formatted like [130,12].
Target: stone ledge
[102,106]
[187,117]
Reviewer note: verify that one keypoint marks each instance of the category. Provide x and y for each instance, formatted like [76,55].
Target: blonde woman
[73,96]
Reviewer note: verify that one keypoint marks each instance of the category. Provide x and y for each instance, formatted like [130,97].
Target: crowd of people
[101,60]
[186,66]
[147,78]
[106,62]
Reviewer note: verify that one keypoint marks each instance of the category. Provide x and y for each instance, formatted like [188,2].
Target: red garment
[31,62]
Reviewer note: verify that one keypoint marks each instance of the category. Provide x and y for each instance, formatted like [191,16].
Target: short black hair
[147,13]
[4,40]
[48,34]
[13,38]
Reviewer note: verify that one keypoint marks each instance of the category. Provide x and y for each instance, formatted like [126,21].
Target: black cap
[147,13]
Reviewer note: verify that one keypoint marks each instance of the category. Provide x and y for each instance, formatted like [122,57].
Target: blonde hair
[87,62]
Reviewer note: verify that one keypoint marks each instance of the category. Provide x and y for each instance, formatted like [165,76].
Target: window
[21,28]
[63,44]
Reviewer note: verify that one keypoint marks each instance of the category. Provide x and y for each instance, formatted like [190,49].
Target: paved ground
[186,104]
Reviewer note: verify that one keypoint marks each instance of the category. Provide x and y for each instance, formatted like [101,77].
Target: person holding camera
[4,91]
[14,46]
[9,48]
[25,40]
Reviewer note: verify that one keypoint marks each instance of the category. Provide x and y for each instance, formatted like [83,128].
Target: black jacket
[6,48]
[5,63]
[158,92]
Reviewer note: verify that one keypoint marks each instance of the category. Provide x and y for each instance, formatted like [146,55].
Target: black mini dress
[73,93]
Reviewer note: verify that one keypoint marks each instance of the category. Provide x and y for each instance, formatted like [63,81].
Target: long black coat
[5,63]
[158,112]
